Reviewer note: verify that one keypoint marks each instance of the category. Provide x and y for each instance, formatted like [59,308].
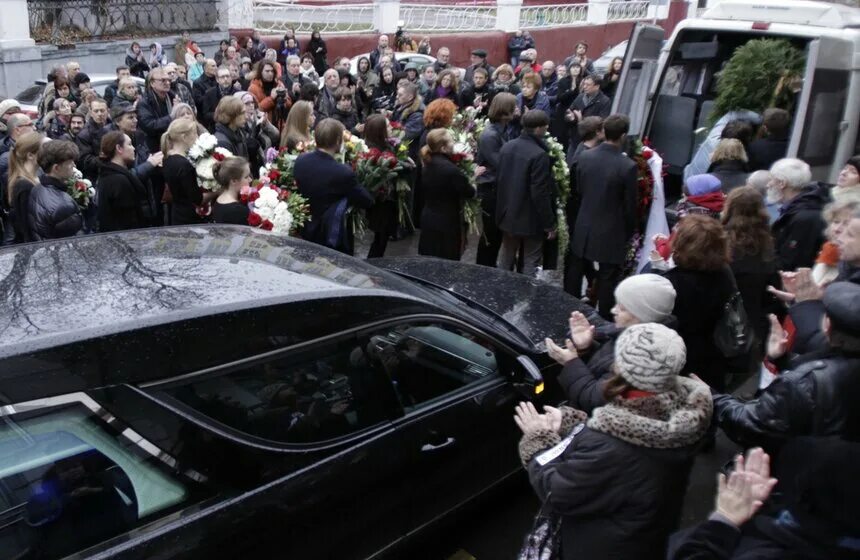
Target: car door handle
[430,447]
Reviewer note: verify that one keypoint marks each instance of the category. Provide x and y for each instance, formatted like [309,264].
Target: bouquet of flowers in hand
[280,163]
[469,124]
[397,131]
[645,179]
[464,157]
[203,155]
[81,190]
[353,148]
[381,173]
[561,175]
[275,209]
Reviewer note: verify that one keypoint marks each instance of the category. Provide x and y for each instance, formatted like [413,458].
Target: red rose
[253,196]
[218,156]
[647,152]
[274,175]
[387,155]
[267,225]
[373,153]
[81,187]
[284,195]
[254,219]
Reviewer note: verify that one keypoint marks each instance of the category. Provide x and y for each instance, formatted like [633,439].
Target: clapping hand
[559,354]
[530,421]
[581,331]
[742,493]
[777,340]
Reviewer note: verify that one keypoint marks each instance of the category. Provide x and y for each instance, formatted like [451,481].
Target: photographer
[269,93]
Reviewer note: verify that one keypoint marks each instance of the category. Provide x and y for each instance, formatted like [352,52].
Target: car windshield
[30,95]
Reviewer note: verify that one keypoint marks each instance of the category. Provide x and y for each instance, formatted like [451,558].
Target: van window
[823,116]
[68,482]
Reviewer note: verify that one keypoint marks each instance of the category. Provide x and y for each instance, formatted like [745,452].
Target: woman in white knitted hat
[617,479]
[588,354]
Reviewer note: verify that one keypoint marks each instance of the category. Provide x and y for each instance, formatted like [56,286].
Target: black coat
[489,153]
[122,198]
[470,93]
[598,106]
[153,117]
[566,92]
[444,187]
[764,152]
[52,212]
[201,85]
[700,298]
[325,183]
[181,177]
[753,274]
[89,142]
[617,500]
[818,398]
[210,103]
[799,230]
[318,50]
[731,173]
[525,187]
[234,141]
[606,183]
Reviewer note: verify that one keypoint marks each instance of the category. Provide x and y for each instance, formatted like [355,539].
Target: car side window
[332,388]
[68,482]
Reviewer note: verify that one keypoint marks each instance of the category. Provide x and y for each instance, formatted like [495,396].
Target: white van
[670,94]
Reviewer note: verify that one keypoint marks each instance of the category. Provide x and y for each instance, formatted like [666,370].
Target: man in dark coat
[122,72]
[331,188]
[479,93]
[145,166]
[213,96]
[606,184]
[479,60]
[771,147]
[816,398]
[525,191]
[205,82]
[89,140]
[799,230]
[293,78]
[153,108]
[120,192]
[592,102]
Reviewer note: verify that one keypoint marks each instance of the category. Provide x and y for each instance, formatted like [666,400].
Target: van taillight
[761,25]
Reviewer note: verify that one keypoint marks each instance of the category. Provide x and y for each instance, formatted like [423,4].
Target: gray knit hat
[650,356]
[648,297]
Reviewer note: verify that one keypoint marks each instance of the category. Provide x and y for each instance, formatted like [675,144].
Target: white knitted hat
[649,356]
[648,297]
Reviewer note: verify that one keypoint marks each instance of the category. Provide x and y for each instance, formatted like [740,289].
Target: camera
[281,93]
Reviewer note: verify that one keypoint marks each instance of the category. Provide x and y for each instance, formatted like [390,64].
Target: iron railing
[627,10]
[71,21]
[553,15]
[276,16]
[430,17]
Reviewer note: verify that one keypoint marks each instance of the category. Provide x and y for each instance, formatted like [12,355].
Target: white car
[404,58]
[31,98]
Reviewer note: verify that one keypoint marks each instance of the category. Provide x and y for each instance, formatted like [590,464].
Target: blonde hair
[437,140]
[297,128]
[176,132]
[229,169]
[25,145]
[228,110]
[729,149]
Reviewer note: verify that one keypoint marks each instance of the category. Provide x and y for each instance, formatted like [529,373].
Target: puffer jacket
[53,213]
[234,141]
[818,398]
[618,479]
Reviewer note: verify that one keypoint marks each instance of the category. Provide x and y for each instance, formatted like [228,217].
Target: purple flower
[271,154]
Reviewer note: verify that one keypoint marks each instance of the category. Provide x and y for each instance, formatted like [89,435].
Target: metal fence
[70,21]
[553,15]
[276,16]
[619,11]
[430,17]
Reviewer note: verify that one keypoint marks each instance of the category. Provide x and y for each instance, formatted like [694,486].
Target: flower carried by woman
[81,190]
[203,155]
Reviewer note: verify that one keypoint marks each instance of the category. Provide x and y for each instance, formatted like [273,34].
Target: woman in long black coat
[318,50]
[443,232]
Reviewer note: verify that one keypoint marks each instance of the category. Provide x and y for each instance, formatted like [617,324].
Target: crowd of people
[757,244]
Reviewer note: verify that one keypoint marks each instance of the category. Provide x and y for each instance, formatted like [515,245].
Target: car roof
[84,287]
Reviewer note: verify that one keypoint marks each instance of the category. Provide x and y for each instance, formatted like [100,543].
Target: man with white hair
[326,105]
[799,231]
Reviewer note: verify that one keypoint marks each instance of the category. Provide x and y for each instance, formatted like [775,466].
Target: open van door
[637,75]
[824,121]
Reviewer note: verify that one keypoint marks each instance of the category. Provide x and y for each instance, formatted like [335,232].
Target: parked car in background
[601,65]
[31,97]
[204,392]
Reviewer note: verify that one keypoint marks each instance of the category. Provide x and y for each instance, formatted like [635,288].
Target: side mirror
[529,381]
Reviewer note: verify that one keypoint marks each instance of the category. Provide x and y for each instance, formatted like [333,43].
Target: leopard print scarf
[667,420]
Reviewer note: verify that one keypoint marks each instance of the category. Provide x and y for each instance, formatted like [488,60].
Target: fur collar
[664,421]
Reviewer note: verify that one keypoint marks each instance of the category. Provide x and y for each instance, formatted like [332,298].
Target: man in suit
[524,211]
[606,184]
[590,103]
[331,188]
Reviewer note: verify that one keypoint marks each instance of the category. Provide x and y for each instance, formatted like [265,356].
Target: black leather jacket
[818,398]
[52,212]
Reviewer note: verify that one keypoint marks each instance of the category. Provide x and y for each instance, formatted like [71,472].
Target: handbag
[543,542]
[733,334]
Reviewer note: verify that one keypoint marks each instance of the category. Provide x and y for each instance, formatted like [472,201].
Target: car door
[458,401]
[632,98]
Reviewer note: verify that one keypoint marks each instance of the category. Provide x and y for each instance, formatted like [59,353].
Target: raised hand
[777,340]
[581,331]
[529,420]
[559,354]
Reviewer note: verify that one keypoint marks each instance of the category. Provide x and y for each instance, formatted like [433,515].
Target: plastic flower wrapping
[81,190]
[561,176]
[464,156]
[384,175]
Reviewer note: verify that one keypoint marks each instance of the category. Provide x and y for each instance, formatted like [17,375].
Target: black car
[219,391]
